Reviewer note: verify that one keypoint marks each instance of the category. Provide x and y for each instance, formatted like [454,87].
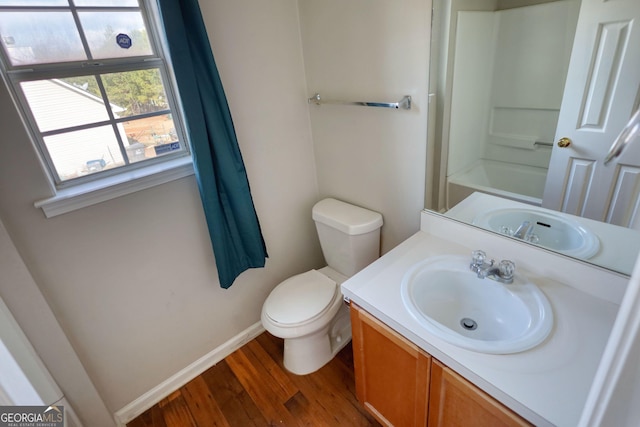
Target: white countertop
[548,384]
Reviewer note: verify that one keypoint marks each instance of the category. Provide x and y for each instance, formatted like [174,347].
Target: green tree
[137,91]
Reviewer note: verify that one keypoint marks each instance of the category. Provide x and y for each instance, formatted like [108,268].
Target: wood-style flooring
[251,388]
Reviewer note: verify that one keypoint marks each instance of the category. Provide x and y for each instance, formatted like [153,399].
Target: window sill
[91,193]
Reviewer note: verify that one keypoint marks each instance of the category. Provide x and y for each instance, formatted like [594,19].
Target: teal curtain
[224,188]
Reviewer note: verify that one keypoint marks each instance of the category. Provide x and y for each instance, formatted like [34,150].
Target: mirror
[498,72]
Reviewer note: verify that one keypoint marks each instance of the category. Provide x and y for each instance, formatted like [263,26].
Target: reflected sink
[550,230]
[483,315]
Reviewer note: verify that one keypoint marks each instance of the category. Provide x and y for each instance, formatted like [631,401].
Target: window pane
[135,92]
[84,152]
[59,104]
[40,37]
[106,3]
[115,34]
[150,137]
[34,3]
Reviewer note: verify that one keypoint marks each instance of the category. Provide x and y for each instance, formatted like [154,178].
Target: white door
[601,94]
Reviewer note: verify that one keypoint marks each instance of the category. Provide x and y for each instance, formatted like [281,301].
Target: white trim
[91,193]
[618,354]
[28,371]
[173,383]
[70,417]
[27,379]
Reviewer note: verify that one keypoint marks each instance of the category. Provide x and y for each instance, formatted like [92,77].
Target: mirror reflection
[530,95]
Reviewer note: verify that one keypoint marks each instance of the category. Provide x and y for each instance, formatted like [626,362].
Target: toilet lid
[300,298]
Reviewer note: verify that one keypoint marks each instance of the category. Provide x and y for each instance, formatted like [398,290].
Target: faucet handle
[478,257]
[506,269]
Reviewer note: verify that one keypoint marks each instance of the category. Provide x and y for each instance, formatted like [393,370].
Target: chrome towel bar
[404,103]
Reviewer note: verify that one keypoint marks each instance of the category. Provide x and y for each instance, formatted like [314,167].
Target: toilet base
[309,353]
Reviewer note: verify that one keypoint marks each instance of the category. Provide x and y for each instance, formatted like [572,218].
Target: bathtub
[509,180]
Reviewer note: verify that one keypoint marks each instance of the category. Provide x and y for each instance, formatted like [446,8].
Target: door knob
[564,142]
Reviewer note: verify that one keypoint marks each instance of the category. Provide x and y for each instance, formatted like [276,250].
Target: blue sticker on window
[123,40]
[166,148]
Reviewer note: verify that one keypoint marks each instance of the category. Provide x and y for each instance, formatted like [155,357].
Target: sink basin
[550,230]
[483,315]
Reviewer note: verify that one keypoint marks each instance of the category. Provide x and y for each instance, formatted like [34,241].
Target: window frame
[123,176]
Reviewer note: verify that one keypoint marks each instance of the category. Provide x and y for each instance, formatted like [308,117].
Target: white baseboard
[162,390]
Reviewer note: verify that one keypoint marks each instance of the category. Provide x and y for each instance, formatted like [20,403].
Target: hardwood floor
[252,388]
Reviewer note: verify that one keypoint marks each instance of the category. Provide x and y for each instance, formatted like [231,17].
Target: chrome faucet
[502,273]
[525,228]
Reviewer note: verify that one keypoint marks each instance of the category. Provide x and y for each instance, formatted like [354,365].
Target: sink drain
[468,324]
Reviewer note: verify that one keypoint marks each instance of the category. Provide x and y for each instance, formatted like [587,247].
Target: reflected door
[601,94]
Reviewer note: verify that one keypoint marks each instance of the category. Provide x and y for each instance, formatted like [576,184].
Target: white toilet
[307,309]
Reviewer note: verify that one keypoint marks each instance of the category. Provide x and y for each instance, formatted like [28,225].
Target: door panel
[623,209]
[609,47]
[578,183]
[601,94]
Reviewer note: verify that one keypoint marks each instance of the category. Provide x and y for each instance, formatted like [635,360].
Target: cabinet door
[456,402]
[391,372]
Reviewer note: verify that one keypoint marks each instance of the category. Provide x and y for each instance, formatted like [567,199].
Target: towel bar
[404,103]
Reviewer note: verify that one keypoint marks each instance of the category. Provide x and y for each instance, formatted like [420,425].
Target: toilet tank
[349,235]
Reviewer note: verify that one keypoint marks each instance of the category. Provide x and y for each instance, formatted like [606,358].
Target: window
[92,84]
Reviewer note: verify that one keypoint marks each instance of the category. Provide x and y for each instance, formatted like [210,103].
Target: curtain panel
[231,218]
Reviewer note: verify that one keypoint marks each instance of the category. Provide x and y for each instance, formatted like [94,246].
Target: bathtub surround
[521,55]
[224,189]
[511,181]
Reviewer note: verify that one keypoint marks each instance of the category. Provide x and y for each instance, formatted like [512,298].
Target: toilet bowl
[307,310]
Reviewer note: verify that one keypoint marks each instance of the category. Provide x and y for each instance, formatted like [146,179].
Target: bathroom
[131,281]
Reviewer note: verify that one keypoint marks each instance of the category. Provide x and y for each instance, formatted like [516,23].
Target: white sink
[552,231]
[483,315]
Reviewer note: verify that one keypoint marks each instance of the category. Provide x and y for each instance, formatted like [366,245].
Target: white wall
[132,281]
[29,308]
[370,50]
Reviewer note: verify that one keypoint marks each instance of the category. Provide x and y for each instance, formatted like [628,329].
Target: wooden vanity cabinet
[456,402]
[391,372]
[401,385]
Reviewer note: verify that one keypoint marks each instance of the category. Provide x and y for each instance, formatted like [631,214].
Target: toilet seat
[301,299]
